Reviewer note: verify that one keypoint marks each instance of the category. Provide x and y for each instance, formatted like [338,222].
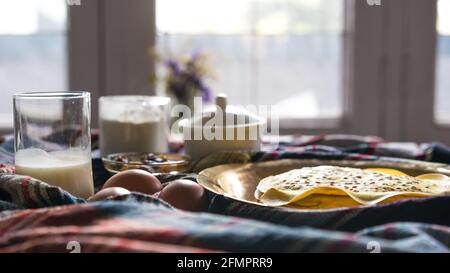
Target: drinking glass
[134,124]
[53,139]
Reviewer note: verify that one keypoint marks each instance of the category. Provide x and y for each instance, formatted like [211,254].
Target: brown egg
[135,180]
[185,195]
[107,193]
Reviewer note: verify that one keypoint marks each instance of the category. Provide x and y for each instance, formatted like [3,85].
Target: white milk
[136,130]
[70,169]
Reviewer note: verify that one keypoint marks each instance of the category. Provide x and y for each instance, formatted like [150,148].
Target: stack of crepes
[325,187]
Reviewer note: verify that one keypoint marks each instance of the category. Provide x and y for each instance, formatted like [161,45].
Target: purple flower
[206,94]
[173,66]
[186,77]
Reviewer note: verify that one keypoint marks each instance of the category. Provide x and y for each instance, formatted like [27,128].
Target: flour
[143,129]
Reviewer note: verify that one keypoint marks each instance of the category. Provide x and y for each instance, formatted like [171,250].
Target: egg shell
[185,195]
[135,181]
[108,193]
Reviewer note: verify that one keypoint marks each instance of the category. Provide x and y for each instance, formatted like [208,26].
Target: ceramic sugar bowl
[223,128]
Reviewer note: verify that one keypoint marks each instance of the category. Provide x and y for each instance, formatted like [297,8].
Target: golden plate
[239,181]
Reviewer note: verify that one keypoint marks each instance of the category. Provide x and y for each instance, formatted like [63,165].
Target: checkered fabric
[37,217]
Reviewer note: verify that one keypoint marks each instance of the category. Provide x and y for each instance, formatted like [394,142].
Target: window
[32,49]
[442,102]
[339,66]
[286,53]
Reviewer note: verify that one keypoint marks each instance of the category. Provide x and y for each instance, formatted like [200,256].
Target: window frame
[108,42]
[402,56]
[362,65]
[388,60]
[421,71]
[96,60]
[7,120]
[361,61]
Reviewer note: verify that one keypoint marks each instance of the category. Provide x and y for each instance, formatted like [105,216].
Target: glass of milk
[53,139]
[134,124]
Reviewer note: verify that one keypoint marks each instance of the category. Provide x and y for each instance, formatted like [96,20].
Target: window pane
[32,49]
[442,104]
[276,52]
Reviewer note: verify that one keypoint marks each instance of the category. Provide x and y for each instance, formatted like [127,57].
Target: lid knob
[221,101]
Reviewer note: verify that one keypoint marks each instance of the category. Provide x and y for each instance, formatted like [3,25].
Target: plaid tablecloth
[37,217]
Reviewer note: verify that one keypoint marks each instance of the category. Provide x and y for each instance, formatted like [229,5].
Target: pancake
[331,187]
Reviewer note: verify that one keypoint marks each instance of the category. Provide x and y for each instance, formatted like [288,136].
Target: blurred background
[339,66]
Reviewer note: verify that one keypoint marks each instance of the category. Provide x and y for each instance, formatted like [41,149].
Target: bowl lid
[223,115]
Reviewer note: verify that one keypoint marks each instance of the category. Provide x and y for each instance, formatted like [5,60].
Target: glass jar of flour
[134,124]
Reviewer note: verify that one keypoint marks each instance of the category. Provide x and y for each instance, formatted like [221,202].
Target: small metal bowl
[157,163]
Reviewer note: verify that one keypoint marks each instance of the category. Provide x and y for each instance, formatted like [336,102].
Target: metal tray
[239,181]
